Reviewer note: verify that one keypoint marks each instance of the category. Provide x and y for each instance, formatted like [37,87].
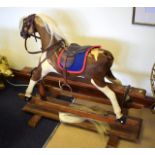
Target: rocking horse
[90,62]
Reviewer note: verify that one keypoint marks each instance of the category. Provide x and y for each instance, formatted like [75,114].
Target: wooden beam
[113,141]
[34,120]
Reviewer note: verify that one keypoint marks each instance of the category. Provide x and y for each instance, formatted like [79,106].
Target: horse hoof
[122,120]
[27,98]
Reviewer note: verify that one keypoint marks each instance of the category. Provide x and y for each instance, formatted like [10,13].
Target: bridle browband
[30,20]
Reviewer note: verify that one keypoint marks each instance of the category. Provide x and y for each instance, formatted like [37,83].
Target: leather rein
[32,52]
[42,50]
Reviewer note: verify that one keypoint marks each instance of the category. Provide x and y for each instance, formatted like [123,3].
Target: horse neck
[45,37]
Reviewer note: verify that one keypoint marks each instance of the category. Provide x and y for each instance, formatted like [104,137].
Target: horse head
[27,26]
[46,28]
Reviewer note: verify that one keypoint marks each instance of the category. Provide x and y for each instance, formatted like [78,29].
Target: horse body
[98,64]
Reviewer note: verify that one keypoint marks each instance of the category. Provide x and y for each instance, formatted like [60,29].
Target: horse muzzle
[25,35]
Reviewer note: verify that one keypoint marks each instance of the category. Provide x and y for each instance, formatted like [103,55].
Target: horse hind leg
[100,85]
[114,80]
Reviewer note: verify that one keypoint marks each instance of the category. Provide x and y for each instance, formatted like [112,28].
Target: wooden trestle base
[49,107]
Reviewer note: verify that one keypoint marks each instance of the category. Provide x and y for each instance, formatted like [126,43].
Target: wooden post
[41,90]
[113,141]
[35,119]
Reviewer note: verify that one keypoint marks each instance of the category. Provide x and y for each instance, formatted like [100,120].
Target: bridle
[29,23]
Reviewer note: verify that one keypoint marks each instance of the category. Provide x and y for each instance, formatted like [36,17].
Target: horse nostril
[23,34]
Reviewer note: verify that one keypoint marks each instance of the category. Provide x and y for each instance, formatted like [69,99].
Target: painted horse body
[97,67]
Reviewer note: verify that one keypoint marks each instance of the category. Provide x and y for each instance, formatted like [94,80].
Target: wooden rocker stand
[49,107]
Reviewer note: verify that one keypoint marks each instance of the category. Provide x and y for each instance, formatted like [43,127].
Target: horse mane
[52,25]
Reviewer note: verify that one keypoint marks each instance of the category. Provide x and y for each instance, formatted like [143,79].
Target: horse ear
[39,21]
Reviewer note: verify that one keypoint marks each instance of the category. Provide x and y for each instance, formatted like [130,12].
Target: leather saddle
[68,56]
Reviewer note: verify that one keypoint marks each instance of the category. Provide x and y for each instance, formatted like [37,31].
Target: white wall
[132,46]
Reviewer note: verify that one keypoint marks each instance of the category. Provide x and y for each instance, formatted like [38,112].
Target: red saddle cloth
[79,62]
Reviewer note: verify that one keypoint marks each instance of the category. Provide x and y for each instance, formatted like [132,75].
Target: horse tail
[110,75]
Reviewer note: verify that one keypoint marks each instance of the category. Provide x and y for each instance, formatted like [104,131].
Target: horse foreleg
[112,97]
[36,75]
[29,90]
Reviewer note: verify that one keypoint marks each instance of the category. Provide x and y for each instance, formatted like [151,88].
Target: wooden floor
[72,137]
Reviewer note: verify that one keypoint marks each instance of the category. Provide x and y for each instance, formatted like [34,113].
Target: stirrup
[63,85]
